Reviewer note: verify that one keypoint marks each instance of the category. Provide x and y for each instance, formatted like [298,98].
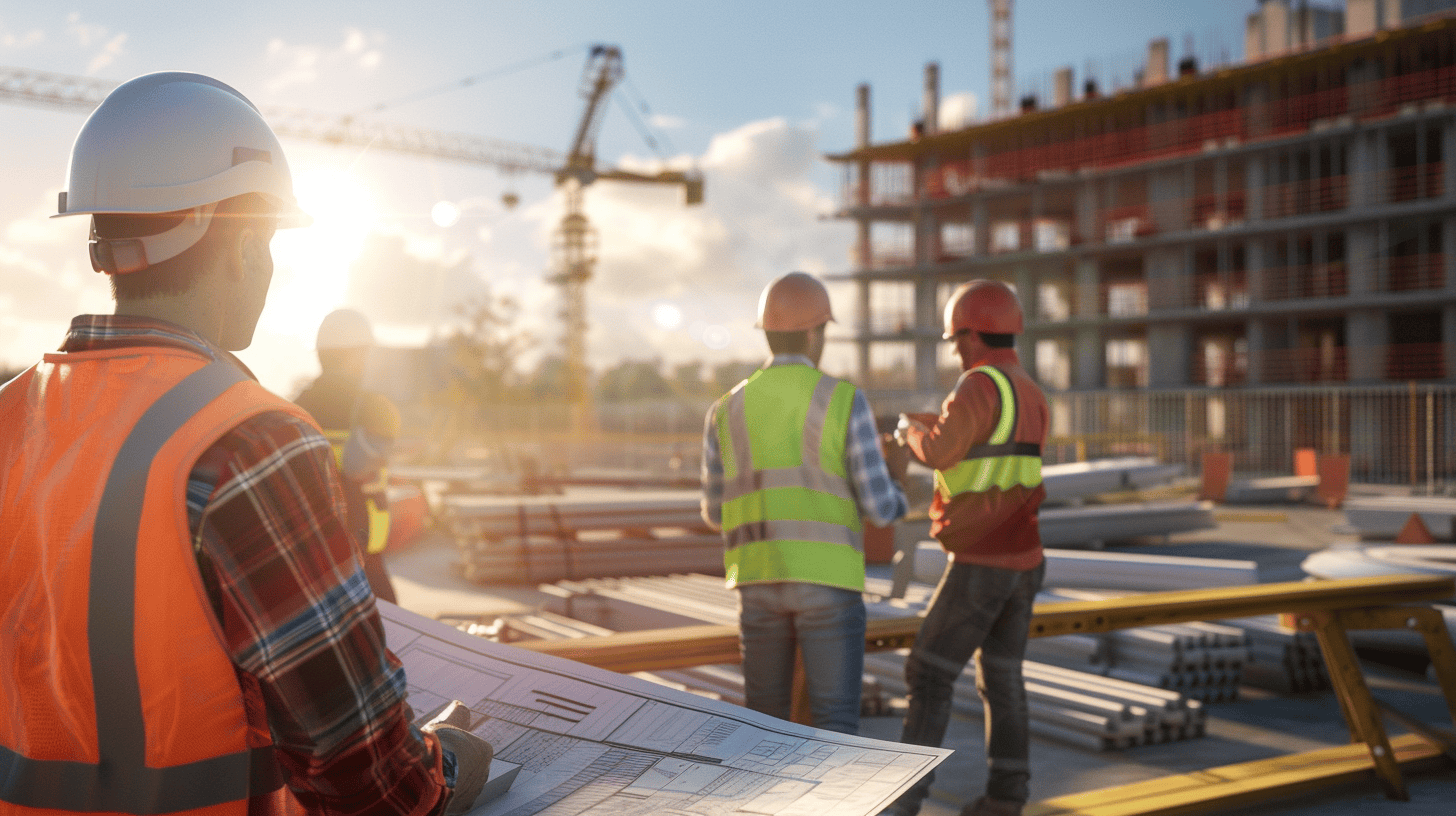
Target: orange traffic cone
[1415,532]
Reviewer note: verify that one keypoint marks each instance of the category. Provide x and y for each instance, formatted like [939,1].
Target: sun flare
[312,263]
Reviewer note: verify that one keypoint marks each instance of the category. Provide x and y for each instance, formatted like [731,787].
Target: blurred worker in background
[184,619]
[985,447]
[791,462]
[362,427]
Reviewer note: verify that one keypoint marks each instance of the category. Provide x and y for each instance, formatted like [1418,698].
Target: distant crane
[1000,57]
[574,243]
[574,247]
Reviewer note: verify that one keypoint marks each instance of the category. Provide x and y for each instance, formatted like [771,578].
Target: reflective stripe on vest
[1000,463]
[789,513]
[121,781]
[379,518]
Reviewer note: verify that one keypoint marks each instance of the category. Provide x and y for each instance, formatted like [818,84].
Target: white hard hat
[344,329]
[171,142]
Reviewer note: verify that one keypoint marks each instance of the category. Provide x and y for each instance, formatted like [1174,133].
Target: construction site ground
[1259,725]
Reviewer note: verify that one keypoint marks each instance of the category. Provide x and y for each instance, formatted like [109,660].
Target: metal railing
[1395,434]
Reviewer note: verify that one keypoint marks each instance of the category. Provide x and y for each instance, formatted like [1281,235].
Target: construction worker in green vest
[792,461]
[985,448]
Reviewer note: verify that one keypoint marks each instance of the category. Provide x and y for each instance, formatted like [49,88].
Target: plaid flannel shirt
[285,579]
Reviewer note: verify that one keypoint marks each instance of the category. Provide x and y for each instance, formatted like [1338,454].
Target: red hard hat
[792,303]
[985,306]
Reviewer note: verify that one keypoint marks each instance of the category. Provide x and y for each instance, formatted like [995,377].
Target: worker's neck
[183,310]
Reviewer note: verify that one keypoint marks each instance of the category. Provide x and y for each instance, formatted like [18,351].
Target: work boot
[986,806]
[472,756]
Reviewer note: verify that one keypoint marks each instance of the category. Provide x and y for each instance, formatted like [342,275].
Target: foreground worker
[184,621]
[791,462]
[985,447]
[362,427]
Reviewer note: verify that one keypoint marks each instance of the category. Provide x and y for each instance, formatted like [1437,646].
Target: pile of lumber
[536,539]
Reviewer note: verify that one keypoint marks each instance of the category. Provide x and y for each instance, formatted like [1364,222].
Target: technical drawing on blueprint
[590,741]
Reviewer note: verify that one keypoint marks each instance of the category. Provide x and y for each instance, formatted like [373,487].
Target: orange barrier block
[1217,468]
[1305,462]
[1334,479]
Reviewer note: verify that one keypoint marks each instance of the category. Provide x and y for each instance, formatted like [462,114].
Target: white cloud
[11,39]
[667,121]
[305,64]
[114,48]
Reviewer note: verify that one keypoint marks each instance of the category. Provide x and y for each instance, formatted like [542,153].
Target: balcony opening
[1415,351]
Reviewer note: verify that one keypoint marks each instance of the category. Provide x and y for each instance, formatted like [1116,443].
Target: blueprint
[590,741]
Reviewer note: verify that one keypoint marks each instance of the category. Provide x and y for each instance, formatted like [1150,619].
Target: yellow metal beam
[1215,790]
[682,647]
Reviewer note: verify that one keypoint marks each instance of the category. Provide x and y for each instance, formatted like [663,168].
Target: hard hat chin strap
[121,256]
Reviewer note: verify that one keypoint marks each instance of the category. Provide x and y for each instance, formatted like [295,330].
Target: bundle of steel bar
[1073,482]
[536,559]
[1141,572]
[1383,517]
[1094,525]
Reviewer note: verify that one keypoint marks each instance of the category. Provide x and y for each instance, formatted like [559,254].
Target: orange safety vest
[117,693]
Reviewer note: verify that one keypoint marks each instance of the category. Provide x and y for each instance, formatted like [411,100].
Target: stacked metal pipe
[1201,660]
[1281,659]
[1078,707]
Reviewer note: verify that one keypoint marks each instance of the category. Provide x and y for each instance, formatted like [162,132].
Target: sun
[312,263]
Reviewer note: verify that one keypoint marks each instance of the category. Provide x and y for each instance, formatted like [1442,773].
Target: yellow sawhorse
[1330,609]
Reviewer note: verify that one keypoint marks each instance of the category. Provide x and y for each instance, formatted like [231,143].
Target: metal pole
[1431,443]
[1412,412]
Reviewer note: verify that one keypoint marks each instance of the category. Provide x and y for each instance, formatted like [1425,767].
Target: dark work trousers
[985,612]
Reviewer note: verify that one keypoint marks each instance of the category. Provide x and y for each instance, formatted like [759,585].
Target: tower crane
[574,243]
[575,240]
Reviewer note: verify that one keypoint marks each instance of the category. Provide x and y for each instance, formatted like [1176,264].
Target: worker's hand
[472,755]
[906,423]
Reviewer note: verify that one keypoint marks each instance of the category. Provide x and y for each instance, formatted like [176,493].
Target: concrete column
[1169,277]
[1360,258]
[1254,334]
[925,347]
[1087,285]
[1169,348]
[1168,200]
[981,228]
[1085,223]
[1366,335]
[862,344]
[1089,360]
[1255,177]
[930,99]
[1448,339]
[1448,249]
[1254,263]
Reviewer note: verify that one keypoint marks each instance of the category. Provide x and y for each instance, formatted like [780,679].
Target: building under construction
[1283,224]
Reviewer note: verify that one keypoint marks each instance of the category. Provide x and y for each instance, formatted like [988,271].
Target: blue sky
[751,92]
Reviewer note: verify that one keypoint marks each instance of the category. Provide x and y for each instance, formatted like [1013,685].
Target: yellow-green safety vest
[789,512]
[999,463]
[378,516]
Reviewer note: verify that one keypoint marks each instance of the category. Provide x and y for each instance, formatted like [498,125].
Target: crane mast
[1000,57]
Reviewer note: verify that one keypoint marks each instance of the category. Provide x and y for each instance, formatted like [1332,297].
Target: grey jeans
[985,612]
